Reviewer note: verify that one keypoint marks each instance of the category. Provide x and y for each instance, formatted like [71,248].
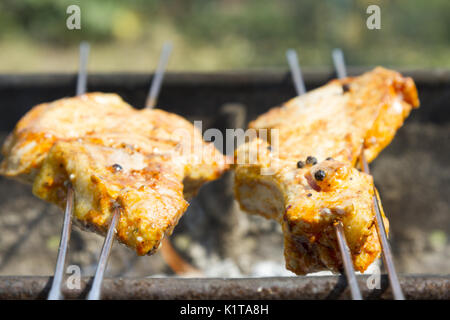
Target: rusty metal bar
[415,287]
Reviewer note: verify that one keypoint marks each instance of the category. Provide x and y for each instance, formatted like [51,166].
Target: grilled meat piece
[306,180]
[307,207]
[147,162]
[332,122]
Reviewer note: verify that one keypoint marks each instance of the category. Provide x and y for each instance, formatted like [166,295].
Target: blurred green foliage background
[222,34]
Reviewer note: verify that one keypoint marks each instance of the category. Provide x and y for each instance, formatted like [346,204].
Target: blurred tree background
[222,34]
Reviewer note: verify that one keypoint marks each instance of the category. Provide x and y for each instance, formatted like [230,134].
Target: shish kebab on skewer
[341,71]
[169,254]
[113,156]
[320,136]
[83,139]
[344,250]
[55,292]
[95,290]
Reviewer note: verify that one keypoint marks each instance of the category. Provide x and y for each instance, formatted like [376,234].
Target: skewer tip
[294,66]
[82,68]
[159,74]
[339,62]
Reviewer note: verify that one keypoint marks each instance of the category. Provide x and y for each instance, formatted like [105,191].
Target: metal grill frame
[258,91]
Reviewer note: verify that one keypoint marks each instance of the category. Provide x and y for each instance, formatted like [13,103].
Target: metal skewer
[296,72]
[338,60]
[339,63]
[175,262]
[95,291]
[158,77]
[347,261]
[385,247]
[342,242]
[82,68]
[55,290]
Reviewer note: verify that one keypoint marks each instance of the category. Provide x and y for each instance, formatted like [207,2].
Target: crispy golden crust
[106,119]
[328,122]
[148,190]
[145,161]
[332,121]
[307,208]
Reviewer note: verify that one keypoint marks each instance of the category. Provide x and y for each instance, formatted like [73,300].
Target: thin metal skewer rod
[175,261]
[82,69]
[55,290]
[386,248]
[296,72]
[95,292]
[347,261]
[343,246]
[339,63]
[158,77]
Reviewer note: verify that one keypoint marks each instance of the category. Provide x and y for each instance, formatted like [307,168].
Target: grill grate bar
[415,287]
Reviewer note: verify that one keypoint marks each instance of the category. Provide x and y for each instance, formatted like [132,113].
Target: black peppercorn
[311,160]
[269,148]
[117,167]
[345,88]
[300,164]
[329,158]
[309,195]
[319,175]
